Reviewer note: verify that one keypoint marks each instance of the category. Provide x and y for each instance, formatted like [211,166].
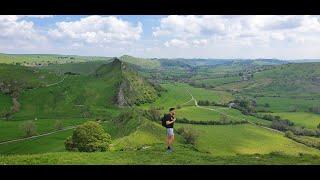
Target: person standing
[169,122]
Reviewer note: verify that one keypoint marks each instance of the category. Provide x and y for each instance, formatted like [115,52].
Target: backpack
[163,121]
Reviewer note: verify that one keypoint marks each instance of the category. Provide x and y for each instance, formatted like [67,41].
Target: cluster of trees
[221,121]
[201,85]
[267,117]
[246,106]
[71,73]
[286,125]
[208,103]
[88,137]
[190,135]
[281,125]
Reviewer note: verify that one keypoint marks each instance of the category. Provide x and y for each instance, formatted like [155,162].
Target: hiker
[168,122]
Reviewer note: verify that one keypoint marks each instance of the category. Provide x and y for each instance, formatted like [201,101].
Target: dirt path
[34,137]
[211,109]
[56,82]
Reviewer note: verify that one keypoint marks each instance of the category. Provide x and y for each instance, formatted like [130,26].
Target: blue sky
[283,37]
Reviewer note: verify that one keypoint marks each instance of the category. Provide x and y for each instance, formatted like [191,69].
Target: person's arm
[170,122]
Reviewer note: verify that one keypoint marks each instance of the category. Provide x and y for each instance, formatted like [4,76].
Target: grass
[199,114]
[144,63]
[155,155]
[12,129]
[308,120]
[285,104]
[34,59]
[177,94]
[5,104]
[245,139]
[50,143]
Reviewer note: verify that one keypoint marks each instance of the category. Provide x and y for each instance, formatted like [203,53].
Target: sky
[189,36]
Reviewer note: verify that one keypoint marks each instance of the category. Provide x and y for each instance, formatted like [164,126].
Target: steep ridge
[132,88]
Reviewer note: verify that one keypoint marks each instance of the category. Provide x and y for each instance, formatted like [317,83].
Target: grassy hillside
[245,139]
[177,94]
[42,94]
[132,89]
[184,155]
[144,63]
[85,68]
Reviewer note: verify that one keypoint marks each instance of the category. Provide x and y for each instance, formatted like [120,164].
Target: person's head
[172,111]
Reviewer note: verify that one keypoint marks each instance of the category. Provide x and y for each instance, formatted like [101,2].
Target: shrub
[69,145]
[153,114]
[190,135]
[29,128]
[318,126]
[58,125]
[89,137]
[293,109]
[289,134]
[281,125]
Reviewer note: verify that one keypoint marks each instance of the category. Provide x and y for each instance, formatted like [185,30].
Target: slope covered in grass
[183,155]
[81,68]
[245,139]
[214,113]
[143,63]
[12,129]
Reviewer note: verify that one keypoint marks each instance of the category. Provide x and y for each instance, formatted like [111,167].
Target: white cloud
[97,30]
[16,30]
[251,29]
[176,43]
[35,16]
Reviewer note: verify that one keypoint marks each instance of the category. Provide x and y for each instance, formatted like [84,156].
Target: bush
[289,134]
[281,125]
[58,125]
[318,126]
[153,114]
[29,128]
[89,137]
[69,145]
[190,135]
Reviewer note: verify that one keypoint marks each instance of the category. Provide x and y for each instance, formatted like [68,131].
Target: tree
[267,105]
[88,137]
[58,125]
[318,126]
[29,128]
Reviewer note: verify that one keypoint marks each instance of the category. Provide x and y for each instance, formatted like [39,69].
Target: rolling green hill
[44,94]
[119,94]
